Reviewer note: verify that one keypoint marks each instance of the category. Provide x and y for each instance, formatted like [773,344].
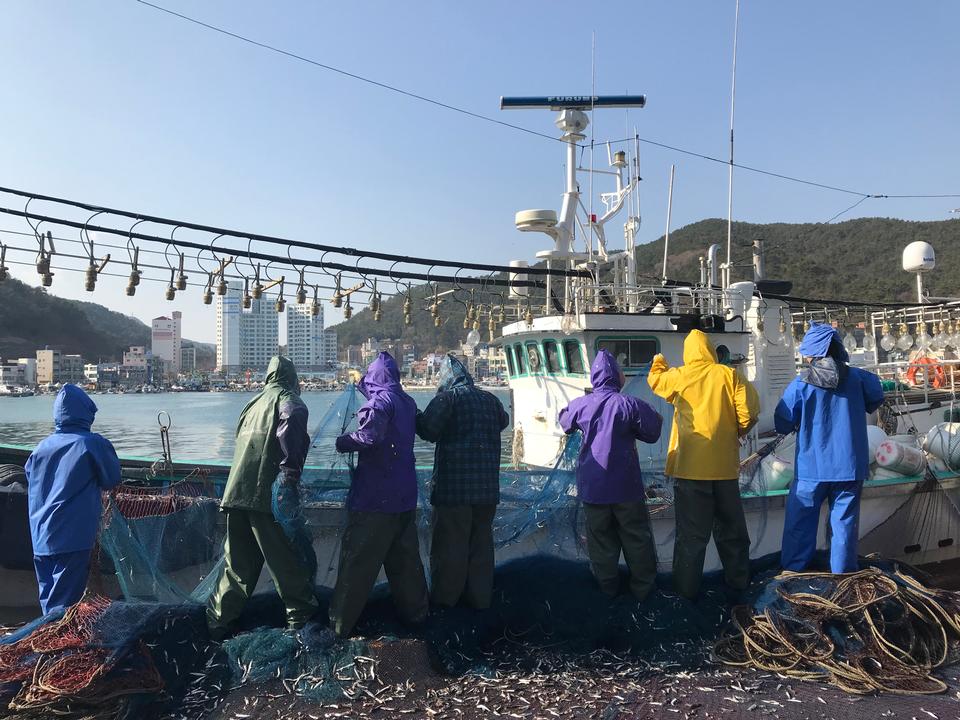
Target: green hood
[283,372]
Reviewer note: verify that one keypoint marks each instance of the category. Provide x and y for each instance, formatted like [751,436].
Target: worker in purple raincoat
[609,482]
[381,527]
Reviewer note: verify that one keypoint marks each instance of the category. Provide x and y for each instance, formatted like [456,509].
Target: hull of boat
[903,518]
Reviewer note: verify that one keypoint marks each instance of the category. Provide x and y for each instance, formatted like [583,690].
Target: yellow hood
[697,348]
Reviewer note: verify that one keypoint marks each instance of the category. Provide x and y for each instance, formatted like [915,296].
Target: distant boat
[15,391]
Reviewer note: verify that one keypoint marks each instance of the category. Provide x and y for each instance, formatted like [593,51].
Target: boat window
[571,351]
[552,353]
[508,352]
[632,353]
[521,359]
[534,361]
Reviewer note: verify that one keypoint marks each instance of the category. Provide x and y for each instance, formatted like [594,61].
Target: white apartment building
[246,338]
[165,340]
[309,345]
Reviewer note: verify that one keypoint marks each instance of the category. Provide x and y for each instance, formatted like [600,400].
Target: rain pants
[465,422]
[272,440]
[609,481]
[66,474]
[381,529]
[827,406]
[713,407]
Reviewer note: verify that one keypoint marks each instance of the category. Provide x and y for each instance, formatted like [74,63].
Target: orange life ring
[934,373]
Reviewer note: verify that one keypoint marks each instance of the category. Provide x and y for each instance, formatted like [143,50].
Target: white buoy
[901,458]
[943,441]
[875,436]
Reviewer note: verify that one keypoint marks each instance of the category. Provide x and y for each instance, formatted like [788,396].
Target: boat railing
[656,299]
[929,376]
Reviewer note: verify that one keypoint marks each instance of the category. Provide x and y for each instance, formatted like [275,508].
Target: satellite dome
[919,257]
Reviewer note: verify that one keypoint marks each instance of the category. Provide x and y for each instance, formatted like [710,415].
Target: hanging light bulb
[337,298]
[181,278]
[940,335]
[905,341]
[301,291]
[207,295]
[501,315]
[849,339]
[888,340]
[437,321]
[759,338]
[869,342]
[378,311]
[528,316]
[473,339]
[347,310]
[247,300]
[315,305]
[923,337]
[782,328]
[171,290]
[222,286]
[491,327]
[953,340]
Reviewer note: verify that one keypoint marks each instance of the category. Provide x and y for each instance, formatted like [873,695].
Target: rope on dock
[863,632]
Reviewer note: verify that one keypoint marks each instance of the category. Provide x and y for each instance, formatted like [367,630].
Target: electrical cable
[345,73]
[284,260]
[353,252]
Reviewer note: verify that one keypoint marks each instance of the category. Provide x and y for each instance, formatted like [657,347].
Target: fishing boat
[602,302]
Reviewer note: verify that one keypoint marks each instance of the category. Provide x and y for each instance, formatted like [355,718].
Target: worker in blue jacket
[827,406]
[66,473]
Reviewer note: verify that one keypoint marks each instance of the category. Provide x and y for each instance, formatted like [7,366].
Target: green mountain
[31,318]
[852,260]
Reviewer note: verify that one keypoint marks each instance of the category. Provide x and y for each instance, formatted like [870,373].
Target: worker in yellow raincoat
[714,406]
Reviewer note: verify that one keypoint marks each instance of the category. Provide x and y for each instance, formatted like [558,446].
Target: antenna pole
[666,234]
[733,101]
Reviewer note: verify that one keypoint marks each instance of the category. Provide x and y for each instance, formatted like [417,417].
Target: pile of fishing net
[873,630]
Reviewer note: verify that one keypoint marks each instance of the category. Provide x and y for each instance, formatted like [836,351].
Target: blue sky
[115,103]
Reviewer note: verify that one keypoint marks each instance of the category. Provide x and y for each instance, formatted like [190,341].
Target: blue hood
[816,343]
[73,409]
[383,375]
[605,373]
[453,374]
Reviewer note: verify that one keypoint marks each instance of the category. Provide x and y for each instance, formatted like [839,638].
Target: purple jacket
[385,479]
[608,469]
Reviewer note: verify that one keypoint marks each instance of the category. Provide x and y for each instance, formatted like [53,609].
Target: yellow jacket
[713,407]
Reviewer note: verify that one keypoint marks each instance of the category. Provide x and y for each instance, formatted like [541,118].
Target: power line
[487,118]
[346,73]
[286,242]
[291,261]
[844,212]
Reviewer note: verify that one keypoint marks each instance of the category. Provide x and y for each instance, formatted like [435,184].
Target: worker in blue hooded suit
[827,406]
[66,473]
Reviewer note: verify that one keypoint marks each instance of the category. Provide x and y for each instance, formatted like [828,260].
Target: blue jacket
[465,422]
[827,405]
[65,475]
[608,469]
[385,479]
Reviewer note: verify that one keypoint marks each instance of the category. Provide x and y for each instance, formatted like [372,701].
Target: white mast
[666,234]
[733,101]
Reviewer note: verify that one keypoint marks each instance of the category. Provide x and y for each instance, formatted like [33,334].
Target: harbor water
[202,429]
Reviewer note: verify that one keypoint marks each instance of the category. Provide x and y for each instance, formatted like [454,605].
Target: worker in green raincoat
[272,441]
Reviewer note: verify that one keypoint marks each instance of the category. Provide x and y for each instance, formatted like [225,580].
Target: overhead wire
[487,118]
[380,272]
[286,242]
[347,73]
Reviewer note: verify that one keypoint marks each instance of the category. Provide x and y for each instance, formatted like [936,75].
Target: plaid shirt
[465,422]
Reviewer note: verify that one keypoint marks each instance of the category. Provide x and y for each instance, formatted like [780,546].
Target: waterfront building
[188,359]
[309,346]
[246,338]
[71,369]
[136,356]
[48,366]
[165,340]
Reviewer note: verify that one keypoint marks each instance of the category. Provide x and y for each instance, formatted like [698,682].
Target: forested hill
[31,318]
[857,259]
